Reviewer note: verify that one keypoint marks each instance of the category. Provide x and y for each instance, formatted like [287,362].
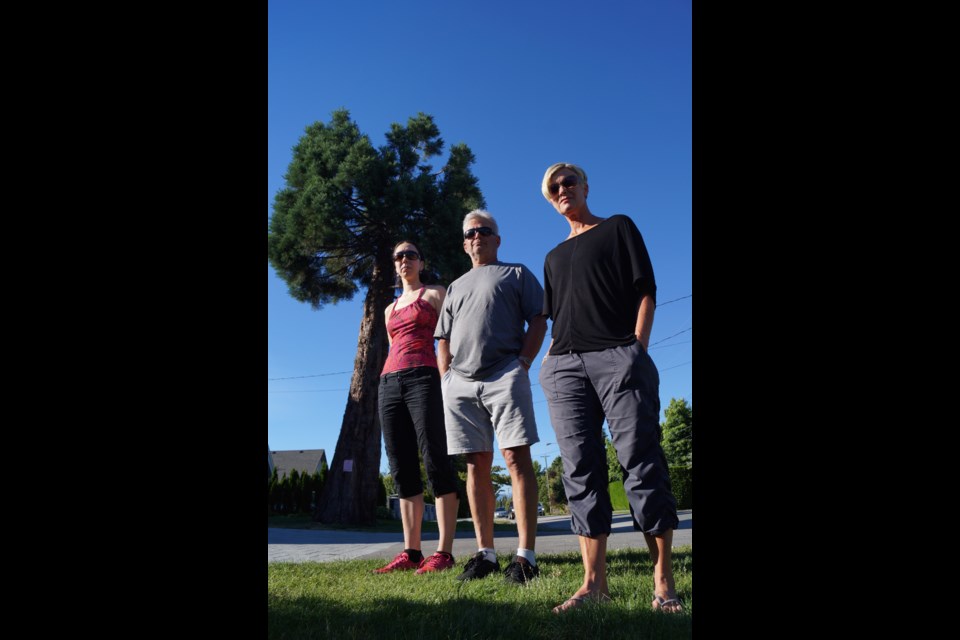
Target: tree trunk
[349,495]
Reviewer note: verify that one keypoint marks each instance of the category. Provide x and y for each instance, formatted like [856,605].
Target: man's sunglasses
[484,231]
[408,254]
[568,181]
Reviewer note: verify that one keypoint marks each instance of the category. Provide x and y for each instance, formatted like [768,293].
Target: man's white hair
[482,214]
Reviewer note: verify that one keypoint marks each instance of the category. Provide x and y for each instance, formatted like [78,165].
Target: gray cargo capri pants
[622,385]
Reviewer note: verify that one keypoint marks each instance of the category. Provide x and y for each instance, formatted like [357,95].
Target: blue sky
[605,85]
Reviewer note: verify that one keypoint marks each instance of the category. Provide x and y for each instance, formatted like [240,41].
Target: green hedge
[681,480]
[618,497]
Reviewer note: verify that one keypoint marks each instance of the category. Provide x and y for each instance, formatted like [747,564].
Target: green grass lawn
[345,600]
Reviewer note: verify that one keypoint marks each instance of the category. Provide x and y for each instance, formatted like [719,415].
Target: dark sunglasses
[408,254]
[568,181]
[484,231]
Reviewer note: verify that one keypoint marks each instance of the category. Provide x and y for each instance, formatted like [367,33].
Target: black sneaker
[520,571]
[477,567]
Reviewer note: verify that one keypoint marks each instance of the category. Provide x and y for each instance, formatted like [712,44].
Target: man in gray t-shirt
[484,355]
[502,298]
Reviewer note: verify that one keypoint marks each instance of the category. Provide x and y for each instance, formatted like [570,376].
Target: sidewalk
[553,536]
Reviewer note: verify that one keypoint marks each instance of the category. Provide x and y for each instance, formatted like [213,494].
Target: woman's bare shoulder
[435,295]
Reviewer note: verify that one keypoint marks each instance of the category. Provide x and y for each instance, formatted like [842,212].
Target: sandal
[575,602]
[658,603]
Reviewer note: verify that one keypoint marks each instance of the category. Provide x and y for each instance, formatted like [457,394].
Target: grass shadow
[345,600]
[461,617]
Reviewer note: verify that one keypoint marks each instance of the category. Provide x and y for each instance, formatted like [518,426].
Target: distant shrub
[382,491]
[681,480]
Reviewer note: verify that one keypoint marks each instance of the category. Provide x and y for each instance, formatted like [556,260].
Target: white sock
[489,554]
[529,555]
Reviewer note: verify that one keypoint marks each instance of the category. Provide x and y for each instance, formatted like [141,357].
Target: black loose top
[593,284]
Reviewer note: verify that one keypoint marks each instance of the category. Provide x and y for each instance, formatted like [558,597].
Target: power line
[337,373]
[532,384]
[305,390]
[549,333]
[674,344]
[532,369]
[316,375]
[673,336]
[661,304]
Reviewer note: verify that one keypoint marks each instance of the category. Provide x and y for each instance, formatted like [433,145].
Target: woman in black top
[600,291]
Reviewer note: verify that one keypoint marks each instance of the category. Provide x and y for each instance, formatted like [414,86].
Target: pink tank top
[411,332]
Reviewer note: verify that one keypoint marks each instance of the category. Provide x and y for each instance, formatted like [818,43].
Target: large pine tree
[344,207]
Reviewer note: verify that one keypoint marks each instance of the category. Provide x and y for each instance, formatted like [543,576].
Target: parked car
[500,513]
[513,516]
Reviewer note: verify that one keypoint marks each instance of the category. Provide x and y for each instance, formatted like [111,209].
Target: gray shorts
[476,409]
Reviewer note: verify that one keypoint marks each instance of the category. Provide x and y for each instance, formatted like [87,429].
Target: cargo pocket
[634,366]
[547,377]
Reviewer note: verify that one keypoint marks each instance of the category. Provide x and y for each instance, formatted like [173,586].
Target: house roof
[303,460]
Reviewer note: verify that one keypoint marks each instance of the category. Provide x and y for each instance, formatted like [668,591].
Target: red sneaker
[400,563]
[436,562]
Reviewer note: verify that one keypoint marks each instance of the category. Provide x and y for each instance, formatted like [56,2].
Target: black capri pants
[411,416]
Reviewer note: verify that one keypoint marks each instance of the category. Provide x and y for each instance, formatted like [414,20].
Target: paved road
[553,536]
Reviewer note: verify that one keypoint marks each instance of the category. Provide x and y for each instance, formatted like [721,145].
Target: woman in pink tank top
[411,415]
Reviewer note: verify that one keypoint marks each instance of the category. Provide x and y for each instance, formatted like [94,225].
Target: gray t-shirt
[483,317]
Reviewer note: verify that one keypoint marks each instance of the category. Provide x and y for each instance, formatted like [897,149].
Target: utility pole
[549,485]
[546,475]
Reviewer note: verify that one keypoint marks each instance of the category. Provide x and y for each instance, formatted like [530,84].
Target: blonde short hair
[548,176]
[482,215]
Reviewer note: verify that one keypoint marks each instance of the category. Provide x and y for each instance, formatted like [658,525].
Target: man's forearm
[533,339]
[443,356]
